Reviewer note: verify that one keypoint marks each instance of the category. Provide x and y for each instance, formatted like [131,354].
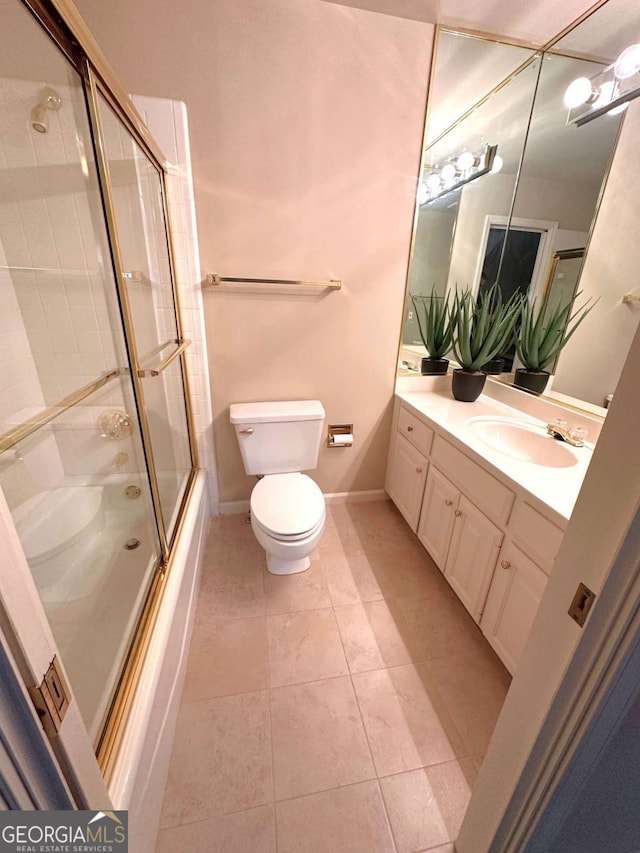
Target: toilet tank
[276,438]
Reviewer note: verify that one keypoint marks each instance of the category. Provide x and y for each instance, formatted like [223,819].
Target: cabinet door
[472,556]
[512,603]
[406,478]
[437,517]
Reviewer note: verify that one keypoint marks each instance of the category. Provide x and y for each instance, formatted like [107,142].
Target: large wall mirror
[523,210]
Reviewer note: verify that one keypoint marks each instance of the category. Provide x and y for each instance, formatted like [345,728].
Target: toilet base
[287,567]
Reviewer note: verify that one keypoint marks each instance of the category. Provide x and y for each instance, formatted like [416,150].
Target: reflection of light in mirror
[465,161]
[498,163]
[628,63]
[579,92]
[423,193]
[448,172]
[433,181]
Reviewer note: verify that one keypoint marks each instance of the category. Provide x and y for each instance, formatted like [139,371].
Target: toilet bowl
[287,517]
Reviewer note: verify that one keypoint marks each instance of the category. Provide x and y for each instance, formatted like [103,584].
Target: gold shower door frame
[71,35]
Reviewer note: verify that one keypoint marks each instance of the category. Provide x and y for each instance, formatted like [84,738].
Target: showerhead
[49,100]
[39,120]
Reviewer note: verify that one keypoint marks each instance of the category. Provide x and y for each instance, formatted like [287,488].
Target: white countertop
[556,488]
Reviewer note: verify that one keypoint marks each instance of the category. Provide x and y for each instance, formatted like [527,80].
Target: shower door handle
[162,365]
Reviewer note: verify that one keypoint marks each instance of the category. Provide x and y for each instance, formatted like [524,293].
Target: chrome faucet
[561,430]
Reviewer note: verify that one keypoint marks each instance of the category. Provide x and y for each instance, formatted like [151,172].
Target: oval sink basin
[523,441]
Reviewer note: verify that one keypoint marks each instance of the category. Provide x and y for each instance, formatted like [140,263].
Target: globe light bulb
[577,93]
[423,193]
[448,173]
[433,181]
[465,161]
[497,165]
[628,63]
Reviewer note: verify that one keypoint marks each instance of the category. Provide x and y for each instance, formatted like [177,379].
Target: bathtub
[80,514]
[140,773]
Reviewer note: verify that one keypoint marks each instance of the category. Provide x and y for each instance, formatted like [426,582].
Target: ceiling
[537,21]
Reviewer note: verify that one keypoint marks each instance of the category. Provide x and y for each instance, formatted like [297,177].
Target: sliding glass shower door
[95,449]
[143,251]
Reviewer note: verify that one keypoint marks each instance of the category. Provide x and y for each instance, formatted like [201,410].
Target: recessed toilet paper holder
[340,435]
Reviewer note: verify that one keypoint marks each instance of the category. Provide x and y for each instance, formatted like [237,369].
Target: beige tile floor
[342,710]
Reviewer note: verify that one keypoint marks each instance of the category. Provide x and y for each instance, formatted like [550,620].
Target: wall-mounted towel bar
[214,280]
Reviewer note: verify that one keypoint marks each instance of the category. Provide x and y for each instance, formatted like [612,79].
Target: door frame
[547,229]
[30,640]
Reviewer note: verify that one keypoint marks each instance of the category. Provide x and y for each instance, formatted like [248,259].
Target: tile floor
[342,710]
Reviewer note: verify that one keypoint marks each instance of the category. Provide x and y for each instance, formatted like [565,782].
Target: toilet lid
[287,504]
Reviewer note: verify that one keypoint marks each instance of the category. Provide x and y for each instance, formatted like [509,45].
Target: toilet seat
[287,507]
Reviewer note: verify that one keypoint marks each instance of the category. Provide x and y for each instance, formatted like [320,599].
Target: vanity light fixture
[609,91]
[458,171]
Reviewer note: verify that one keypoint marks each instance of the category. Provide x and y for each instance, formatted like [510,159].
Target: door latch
[581,604]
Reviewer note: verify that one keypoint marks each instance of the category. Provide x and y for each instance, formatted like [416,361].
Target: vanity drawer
[536,535]
[415,431]
[487,493]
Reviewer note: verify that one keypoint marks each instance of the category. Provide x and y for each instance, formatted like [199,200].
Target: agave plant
[544,332]
[483,328]
[434,322]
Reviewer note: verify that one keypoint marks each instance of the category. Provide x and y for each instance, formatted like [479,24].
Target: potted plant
[495,366]
[543,333]
[482,330]
[436,330]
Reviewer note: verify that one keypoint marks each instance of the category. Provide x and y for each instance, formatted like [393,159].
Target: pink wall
[306,125]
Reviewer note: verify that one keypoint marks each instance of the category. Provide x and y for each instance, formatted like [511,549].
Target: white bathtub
[68,535]
[140,774]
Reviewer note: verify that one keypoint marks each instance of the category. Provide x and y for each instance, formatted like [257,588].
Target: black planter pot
[467,386]
[531,380]
[434,366]
[493,367]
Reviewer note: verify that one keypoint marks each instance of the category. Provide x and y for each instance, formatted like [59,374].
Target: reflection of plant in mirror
[434,322]
[482,328]
[544,331]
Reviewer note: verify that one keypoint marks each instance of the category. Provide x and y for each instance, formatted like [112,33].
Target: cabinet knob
[505,564]
[409,429]
[448,502]
[458,513]
[418,470]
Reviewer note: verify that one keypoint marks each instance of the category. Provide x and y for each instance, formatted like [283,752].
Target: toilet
[277,442]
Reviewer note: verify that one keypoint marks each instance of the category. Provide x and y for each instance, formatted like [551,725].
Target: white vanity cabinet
[463,542]
[408,464]
[516,590]
[438,515]
[519,582]
[493,542]
[473,552]
[406,477]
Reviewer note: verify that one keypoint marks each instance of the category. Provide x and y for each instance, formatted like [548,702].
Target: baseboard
[356,497]
[231,507]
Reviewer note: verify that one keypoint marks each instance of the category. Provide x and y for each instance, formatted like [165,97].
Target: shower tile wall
[54,326]
[52,296]
[19,389]
[62,299]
